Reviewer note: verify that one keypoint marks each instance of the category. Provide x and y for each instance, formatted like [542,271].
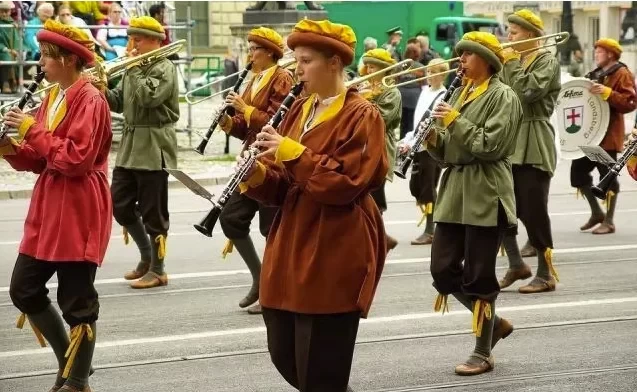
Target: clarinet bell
[201,147]
[601,189]
[401,170]
[208,223]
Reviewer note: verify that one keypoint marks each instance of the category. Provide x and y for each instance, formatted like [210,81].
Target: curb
[172,184]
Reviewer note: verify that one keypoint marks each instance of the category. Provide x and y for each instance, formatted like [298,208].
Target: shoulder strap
[435,99]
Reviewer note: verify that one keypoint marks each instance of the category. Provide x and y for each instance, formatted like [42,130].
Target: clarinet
[423,130]
[601,189]
[225,109]
[206,226]
[26,98]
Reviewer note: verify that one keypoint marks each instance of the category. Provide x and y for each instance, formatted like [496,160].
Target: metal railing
[21,62]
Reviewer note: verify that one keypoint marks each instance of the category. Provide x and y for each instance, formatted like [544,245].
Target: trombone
[404,66]
[560,38]
[283,63]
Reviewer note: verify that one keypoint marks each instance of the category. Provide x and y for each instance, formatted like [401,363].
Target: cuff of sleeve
[248,113]
[632,162]
[226,123]
[450,118]
[510,56]
[606,93]
[432,139]
[25,126]
[288,150]
[9,148]
[255,179]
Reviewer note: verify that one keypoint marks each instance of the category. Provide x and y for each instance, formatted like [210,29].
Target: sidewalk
[212,169]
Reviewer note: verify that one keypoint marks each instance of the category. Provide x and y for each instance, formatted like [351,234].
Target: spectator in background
[65,16]
[8,42]
[410,92]
[576,67]
[44,12]
[88,11]
[369,43]
[427,53]
[395,36]
[113,41]
[158,12]
[230,66]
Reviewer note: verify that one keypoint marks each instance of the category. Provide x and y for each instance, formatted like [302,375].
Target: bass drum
[580,118]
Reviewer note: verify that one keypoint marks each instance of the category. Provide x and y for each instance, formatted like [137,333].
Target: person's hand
[233,99]
[631,138]
[14,118]
[404,148]
[597,88]
[268,141]
[241,162]
[441,110]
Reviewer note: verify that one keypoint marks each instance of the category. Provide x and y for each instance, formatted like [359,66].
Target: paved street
[191,335]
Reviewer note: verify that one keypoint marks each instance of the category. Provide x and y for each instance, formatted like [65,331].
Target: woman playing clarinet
[326,248]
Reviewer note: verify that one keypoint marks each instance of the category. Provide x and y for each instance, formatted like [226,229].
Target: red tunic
[70,214]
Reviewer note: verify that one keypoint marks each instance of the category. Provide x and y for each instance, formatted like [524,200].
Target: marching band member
[68,225]
[631,165]
[388,102]
[260,100]
[329,154]
[149,98]
[616,85]
[476,204]
[535,78]
[425,171]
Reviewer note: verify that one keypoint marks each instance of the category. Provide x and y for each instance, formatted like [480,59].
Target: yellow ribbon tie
[481,309]
[20,324]
[441,304]
[77,335]
[161,249]
[423,210]
[126,239]
[548,256]
[227,249]
[609,197]
[578,193]
[502,251]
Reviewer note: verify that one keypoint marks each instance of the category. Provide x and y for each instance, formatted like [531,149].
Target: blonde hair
[439,65]
[58,53]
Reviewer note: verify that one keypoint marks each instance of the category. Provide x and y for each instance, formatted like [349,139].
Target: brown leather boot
[528,251]
[501,331]
[604,228]
[476,364]
[513,275]
[391,242]
[539,285]
[70,388]
[136,273]
[593,221]
[150,280]
[423,239]
[256,309]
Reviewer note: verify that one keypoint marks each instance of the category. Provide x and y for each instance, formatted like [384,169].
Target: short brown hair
[56,52]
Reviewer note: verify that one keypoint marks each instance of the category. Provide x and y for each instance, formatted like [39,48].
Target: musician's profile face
[371,68]
[313,67]
[517,33]
[259,55]
[602,56]
[143,43]
[473,65]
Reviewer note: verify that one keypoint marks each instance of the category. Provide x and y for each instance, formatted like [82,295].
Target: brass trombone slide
[560,38]
[401,65]
[453,70]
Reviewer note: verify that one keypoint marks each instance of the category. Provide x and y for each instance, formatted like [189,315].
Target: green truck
[443,21]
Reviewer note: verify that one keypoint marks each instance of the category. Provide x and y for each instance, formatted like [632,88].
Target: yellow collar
[59,115]
[265,79]
[334,107]
[529,59]
[466,97]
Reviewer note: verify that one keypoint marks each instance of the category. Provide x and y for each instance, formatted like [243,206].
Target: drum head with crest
[580,117]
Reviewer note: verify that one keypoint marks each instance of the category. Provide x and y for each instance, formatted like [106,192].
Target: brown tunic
[326,248]
[622,100]
[265,104]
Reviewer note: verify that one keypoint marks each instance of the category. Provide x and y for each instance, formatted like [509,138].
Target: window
[199,14]
[593,26]
[442,29]
[557,25]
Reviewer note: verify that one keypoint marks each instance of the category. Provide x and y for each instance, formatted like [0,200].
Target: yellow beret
[146,25]
[527,20]
[327,35]
[485,45]
[268,38]
[610,45]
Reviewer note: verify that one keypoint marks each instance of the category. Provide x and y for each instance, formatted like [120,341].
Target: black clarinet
[208,223]
[225,109]
[601,189]
[423,130]
[26,98]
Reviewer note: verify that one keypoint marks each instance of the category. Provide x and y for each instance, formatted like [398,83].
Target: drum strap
[598,75]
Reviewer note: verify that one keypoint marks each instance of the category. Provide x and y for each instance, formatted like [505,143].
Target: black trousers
[141,192]
[581,172]
[313,352]
[478,247]
[379,197]
[406,121]
[425,174]
[76,294]
[238,213]
[532,197]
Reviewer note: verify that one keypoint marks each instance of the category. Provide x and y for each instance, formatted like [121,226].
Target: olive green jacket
[476,148]
[537,83]
[389,104]
[149,98]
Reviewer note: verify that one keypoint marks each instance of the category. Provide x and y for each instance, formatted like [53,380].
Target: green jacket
[8,39]
[537,85]
[389,104]
[149,98]
[476,148]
